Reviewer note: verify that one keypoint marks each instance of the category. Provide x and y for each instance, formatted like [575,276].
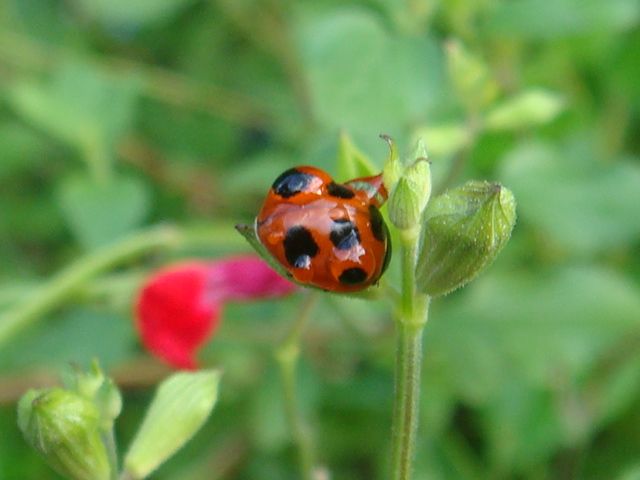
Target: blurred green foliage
[117,115]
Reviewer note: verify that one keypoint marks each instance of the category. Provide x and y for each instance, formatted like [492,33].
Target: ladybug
[325,234]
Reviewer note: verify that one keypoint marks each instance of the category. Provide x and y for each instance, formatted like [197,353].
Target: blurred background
[119,115]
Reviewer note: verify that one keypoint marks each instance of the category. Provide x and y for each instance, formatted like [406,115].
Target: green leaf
[523,426]
[377,91]
[178,410]
[531,326]
[471,77]
[444,139]
[527,109]
[99,213]
[584,205]
[80,105]
[124,12]
[352,162]
[75,336]
[561,18]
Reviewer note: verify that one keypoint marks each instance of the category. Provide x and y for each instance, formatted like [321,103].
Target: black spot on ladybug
[344,234]
[299,247]
[291,182]
[340,191]
[387,253]
[378,227]
[352,276]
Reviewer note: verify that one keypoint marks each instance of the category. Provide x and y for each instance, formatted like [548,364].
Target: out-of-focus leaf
[444,139]
[531,326]
[352,162]
[79,105]
[631,473]
[398,78]
[513,343]
[532,20]
[528,109]
[22,149]
[269,425]
[582,204]
[99,213]
[522,425]
[471,77]
[132,13]
[77,336]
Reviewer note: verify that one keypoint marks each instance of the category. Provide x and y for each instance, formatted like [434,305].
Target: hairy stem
[410,322]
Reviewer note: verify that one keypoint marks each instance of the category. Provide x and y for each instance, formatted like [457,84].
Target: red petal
[246,277]
[175,315]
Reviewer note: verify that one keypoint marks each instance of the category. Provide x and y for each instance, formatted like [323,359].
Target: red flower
[179,307]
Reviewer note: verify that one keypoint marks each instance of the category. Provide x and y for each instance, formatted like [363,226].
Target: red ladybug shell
[326,234]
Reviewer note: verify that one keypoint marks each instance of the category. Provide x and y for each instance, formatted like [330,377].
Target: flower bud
[98,389]
[464,231]
[410,196]
[64,428]
[180,407]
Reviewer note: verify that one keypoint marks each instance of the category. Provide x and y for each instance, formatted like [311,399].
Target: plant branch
[287,356]
[53,293]
[410,322]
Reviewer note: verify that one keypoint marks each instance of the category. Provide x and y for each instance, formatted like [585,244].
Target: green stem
[31,307]
[287,356]
[412,317]
[109,440]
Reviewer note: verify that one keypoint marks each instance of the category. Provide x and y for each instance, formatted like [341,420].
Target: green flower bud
[464,230]
[64,428]
[99,389]
[180,407]
[393,166]
[410,196]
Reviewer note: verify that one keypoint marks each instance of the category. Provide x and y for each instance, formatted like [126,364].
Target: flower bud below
[464,230]
[64,428]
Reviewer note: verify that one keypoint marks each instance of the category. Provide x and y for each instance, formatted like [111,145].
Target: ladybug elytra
[326,234]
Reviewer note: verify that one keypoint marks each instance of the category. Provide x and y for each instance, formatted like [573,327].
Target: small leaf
[179,408]
[99,213]
[352,162]
[443,139]
[471,77]
[528,109]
